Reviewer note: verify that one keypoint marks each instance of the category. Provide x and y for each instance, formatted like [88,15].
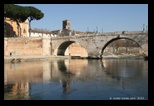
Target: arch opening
[122,47]
[72,48]
[63,47]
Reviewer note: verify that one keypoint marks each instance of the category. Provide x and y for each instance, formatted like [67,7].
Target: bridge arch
[117,38]
[72,48]
[63,47]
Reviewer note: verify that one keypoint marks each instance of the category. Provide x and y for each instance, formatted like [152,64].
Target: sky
[92,17]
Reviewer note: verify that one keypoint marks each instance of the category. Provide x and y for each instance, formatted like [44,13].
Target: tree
[33,14]
[20,14]
[15,13]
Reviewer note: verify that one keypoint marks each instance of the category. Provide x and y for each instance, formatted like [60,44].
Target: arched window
[24,31]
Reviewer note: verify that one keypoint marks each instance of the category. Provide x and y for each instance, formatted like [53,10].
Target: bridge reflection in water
[76,79]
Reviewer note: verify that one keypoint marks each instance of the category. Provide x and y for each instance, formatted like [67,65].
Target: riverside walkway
[32,58]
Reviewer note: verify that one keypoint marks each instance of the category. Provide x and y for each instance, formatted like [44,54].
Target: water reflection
[79,79]
[128,72]
[69,69]
[124,68]
[17,78]
[66,76]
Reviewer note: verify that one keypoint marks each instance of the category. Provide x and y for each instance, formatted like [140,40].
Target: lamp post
[96,29]
[143,28]
[87,30]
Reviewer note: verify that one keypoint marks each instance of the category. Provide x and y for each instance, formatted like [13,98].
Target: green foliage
[34,14]
[20,13]
[14,12]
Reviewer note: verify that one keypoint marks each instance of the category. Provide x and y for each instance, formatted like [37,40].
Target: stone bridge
[96,43]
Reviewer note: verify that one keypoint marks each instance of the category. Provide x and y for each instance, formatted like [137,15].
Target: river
[77,79]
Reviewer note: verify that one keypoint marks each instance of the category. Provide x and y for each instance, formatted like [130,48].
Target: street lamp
[146,28]
[143,28]
[96,29]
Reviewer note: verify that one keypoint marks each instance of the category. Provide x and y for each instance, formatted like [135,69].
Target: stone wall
[136,51]
[47,44]
[23,46]
[87,45]
[76,49]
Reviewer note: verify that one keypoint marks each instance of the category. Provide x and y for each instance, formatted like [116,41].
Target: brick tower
[66,24]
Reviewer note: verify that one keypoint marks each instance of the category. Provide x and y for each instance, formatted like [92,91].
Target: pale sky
[89,17]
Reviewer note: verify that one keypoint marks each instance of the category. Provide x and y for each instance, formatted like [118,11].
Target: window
[24,31]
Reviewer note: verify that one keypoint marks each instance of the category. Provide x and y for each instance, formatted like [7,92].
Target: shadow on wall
[8,30]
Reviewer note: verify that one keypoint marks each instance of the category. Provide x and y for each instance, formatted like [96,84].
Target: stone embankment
[16,59]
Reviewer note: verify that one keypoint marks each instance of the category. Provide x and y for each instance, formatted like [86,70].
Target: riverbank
[14,59]
[113,57]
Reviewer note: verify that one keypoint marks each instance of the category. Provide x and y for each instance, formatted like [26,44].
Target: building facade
[42,33]
[11,28]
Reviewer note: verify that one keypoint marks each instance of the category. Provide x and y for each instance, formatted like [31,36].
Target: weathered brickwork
[22,47]
[46,43]
[76,49]
[83,46]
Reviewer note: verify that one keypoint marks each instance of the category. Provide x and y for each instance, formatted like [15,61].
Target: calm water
[77,79]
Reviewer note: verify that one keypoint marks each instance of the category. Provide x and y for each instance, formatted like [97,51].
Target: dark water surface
[77,79]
